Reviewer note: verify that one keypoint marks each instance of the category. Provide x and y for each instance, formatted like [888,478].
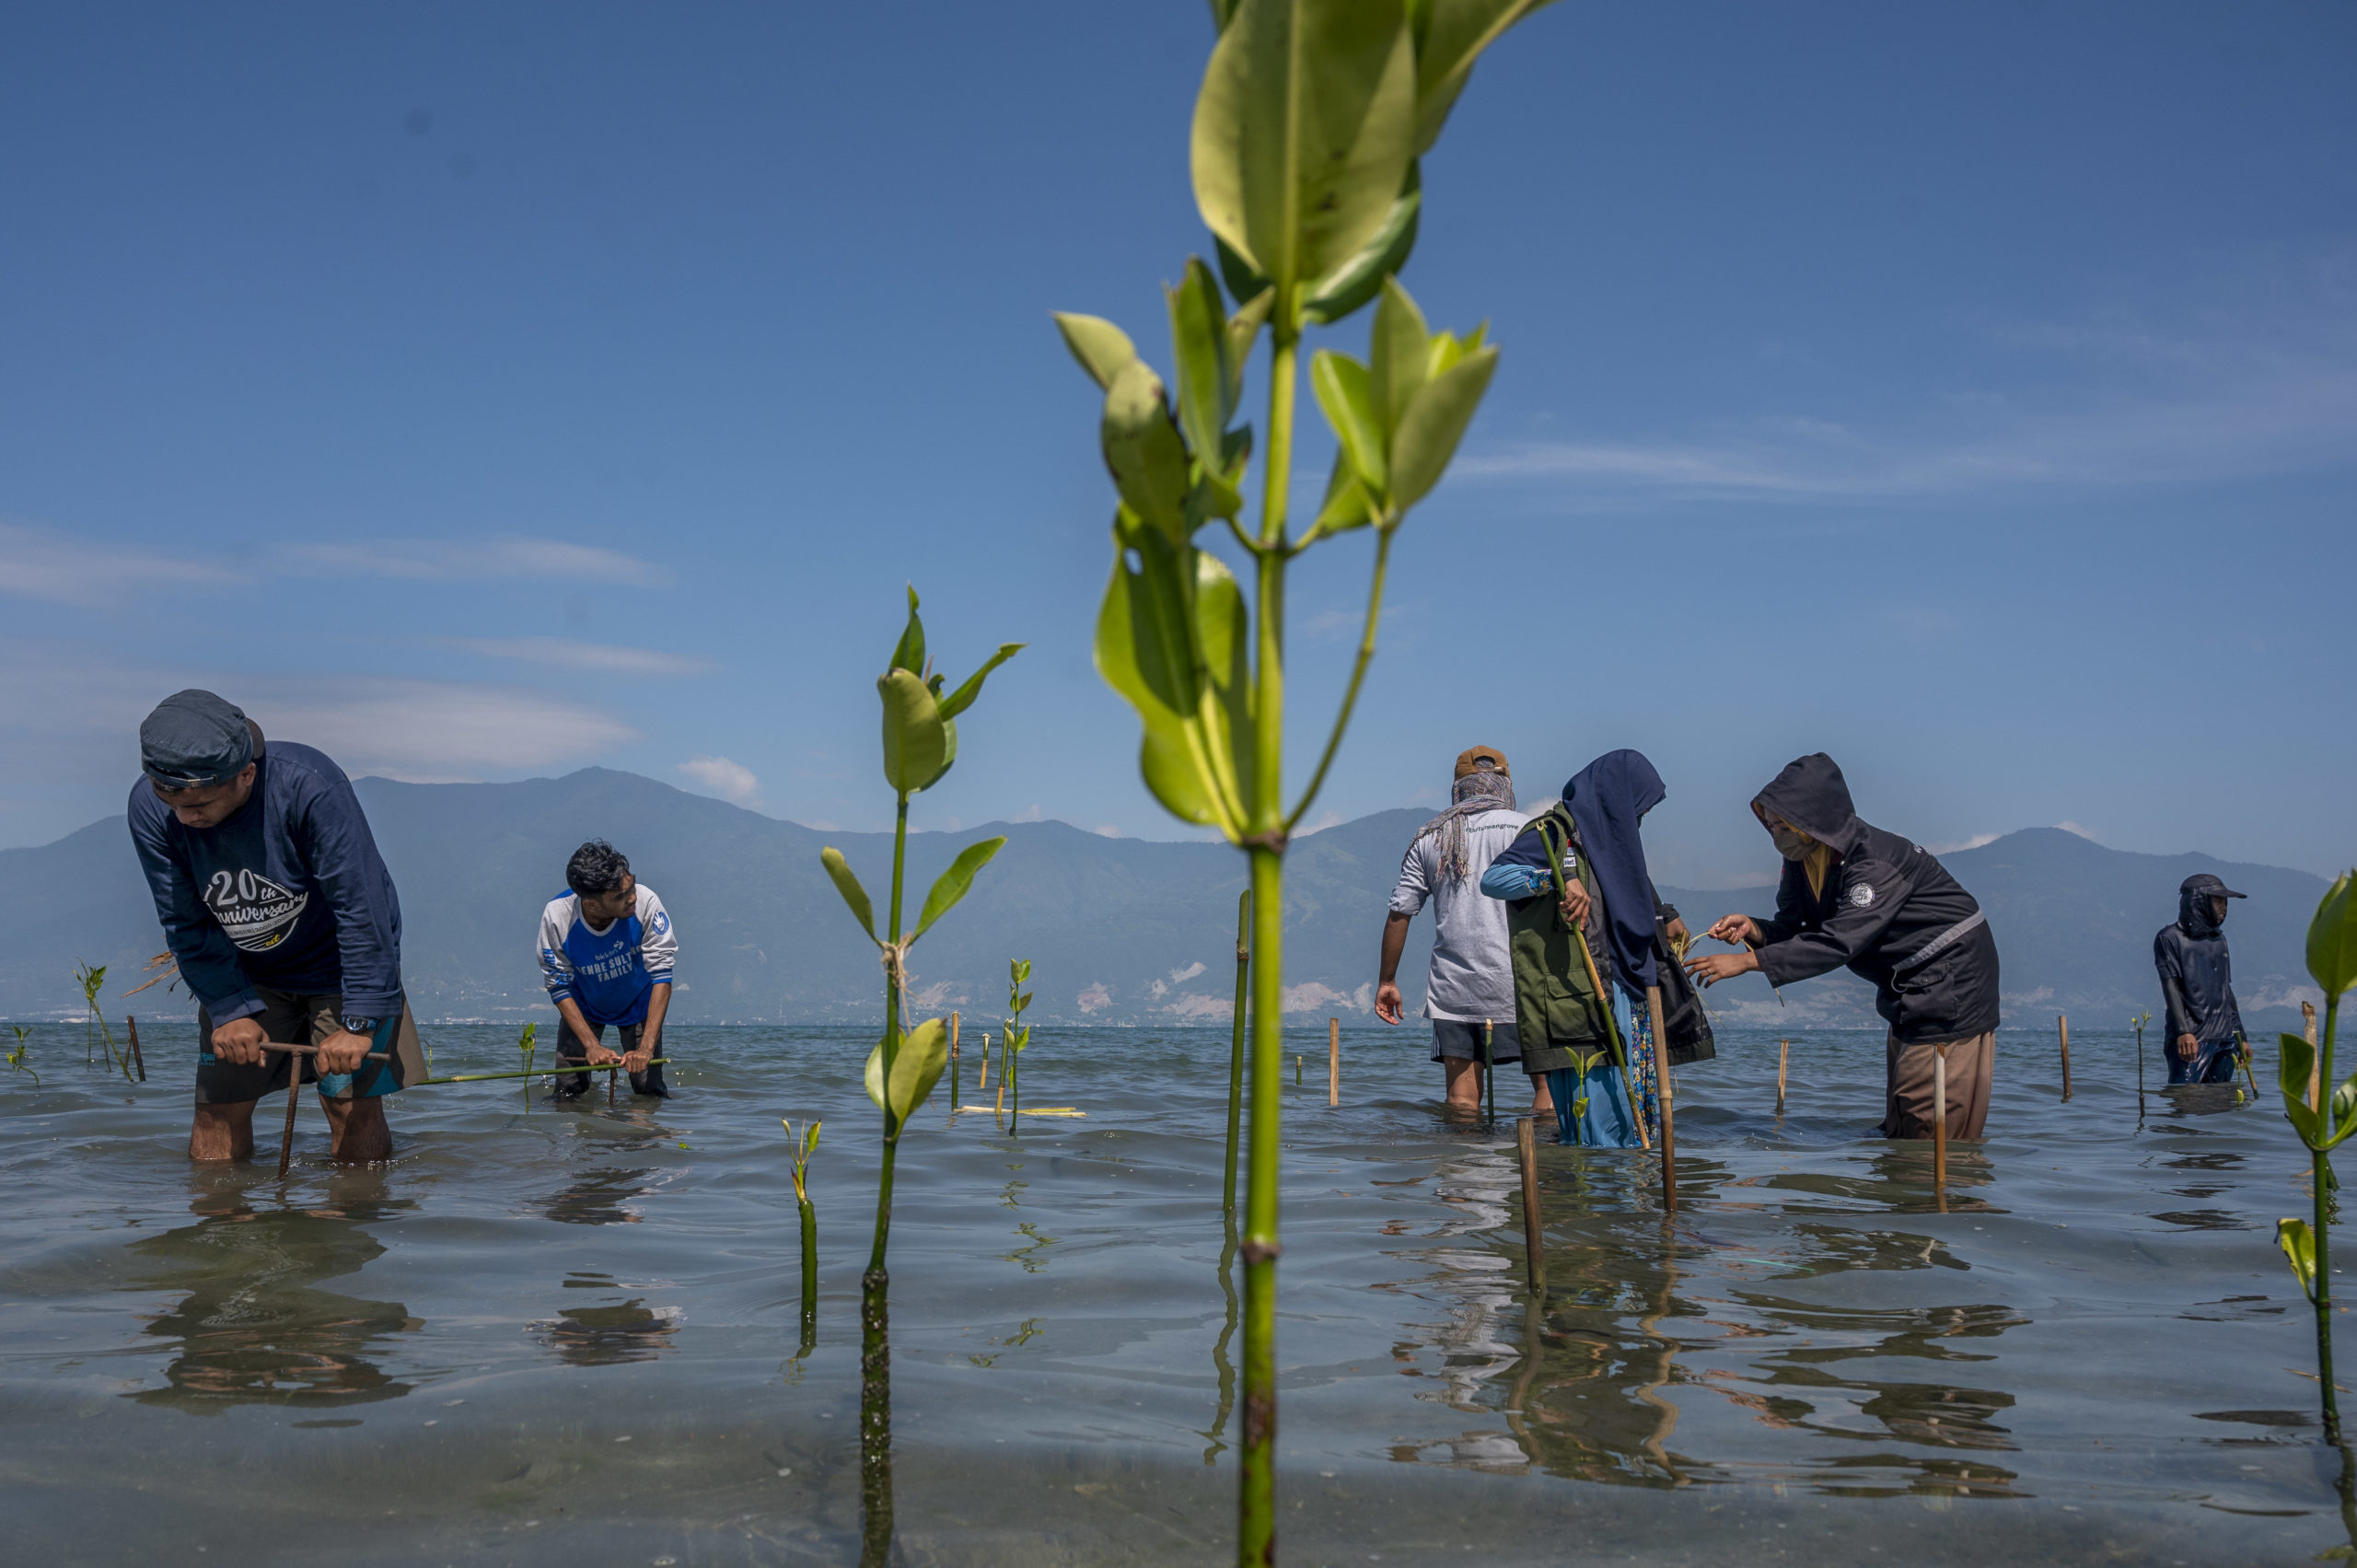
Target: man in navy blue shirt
[284,921]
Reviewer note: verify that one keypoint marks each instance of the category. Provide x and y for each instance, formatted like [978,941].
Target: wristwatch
[360,1026]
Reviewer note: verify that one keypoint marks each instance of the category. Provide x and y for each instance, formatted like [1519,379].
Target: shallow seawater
[550,1335]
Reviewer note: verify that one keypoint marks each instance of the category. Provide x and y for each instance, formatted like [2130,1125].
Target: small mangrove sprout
[920,746]
[527,1047]
[2333,963]
[91,980]
[1017,1034]
[799,1146]
[17,1057]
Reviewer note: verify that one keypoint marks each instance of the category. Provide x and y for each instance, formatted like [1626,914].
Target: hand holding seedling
[1735,930]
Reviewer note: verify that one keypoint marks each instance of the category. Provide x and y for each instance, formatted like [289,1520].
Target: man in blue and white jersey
[607,950]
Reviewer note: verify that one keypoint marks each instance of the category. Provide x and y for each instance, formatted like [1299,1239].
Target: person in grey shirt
[1470,986]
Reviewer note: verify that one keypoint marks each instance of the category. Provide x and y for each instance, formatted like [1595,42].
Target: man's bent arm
[570,1011]
[650,1034]
[1395,941]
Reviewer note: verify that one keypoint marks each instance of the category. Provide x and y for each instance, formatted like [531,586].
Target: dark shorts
[306,1020]
[1452,1037]
[2213,1062]
[570,1051]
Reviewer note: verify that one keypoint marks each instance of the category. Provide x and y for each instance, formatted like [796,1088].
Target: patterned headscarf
[1486,790]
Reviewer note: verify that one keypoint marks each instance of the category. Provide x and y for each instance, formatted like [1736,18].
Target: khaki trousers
[1972,1063]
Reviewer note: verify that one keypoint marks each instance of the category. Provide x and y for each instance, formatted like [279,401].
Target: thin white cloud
[431,731]
[732,782]
[48,563]
[564,653]
[2104,406]
[446,560]
[2070,827]
[1180,976]
[1975,842]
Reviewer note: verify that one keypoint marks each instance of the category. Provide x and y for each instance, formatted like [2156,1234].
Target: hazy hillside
[1119,930]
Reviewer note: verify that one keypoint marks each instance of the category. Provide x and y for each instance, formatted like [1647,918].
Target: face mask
[1791,842]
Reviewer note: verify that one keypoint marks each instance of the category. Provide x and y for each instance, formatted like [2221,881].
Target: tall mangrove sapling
[1308,129]
[920,746]
[1018,1035]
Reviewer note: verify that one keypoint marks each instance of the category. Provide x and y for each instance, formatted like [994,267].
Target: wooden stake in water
[953,1037]
[141,1061]
[294,1094]
[1534,1236]
[1489,1074]
[2063,1022]
[1296,1071]
[1783,1056]
[984,1081]
[1938,1125]
[1661,1074]
[1333,1061]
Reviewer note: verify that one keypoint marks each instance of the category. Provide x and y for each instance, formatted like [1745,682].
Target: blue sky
[484,391]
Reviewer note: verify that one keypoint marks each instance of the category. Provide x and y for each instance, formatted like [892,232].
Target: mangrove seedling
[527,1049]
[91,980]
[1308,129]
[17,1057]
[1017,1034]
[920,746]
[2332,964]
[799,1146]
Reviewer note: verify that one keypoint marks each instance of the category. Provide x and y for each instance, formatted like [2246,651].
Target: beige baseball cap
[1481,759]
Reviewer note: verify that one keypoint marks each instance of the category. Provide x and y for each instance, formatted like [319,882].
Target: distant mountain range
[1119,931]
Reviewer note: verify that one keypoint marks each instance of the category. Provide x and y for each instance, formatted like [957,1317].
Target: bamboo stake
[1534,1237]
[1296,1071]
[486,1077]
[982,1083]
[133,1026]
[2063,1022]
[1940,1125]
[952,1036]
[1783,1056]
[2315,1063]
[611,1075]
[1333,1061]
[1236,1054]
[1661,1074]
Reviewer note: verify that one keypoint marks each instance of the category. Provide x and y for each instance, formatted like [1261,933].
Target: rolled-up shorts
[2212,1061]
[1455,1037]
[306,1020]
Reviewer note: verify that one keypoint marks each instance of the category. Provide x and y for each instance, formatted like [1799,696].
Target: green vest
[1555,1009]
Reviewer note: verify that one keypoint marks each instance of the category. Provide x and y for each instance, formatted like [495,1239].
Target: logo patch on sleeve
[1862,896]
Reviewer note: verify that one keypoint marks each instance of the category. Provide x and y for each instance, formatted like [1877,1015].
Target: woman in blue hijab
[1596,1103]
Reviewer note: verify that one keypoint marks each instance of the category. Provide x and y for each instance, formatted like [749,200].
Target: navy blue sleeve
[332,834]
[208,960]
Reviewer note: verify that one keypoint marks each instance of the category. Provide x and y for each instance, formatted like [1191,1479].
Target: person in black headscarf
[1855,897]
[2198,986]
[1595,833]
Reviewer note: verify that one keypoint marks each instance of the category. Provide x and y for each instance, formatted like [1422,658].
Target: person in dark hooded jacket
[1855,897]
[2198,986]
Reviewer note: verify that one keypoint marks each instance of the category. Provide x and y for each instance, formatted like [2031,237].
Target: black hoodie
[2196,974]
[1889,913]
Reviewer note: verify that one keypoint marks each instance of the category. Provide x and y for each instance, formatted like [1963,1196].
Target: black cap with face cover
[194,740]
[2195,911]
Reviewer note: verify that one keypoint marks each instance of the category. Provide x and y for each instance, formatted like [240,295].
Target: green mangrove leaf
[1448,351]
[1101,347]
[839,871]
[1355,280]
[917,1065]
[1399,356]
[909,653]
[2332,937]
[2303,1121]
[1143,449]
[917,744]
[1345,505]
[958,701]
[1143,652]
[2299,1244]
[1199,340]
[1347,394]
[954,884]
[1221,11]
[2294,1059]
[1224,643]
[1450,36]
[1303,132]
[1435,422]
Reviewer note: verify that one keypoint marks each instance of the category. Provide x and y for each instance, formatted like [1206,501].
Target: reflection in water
[601,1197]
[607,1335]
[253,1329]
[1646,1319]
